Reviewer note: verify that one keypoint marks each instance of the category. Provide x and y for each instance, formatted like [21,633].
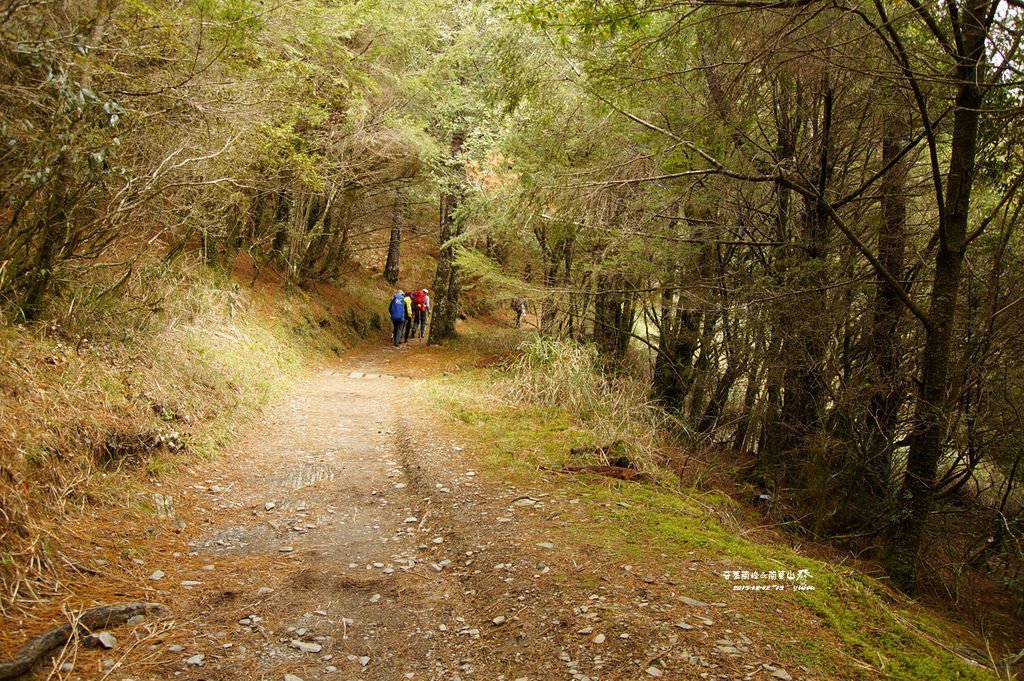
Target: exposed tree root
[101,617]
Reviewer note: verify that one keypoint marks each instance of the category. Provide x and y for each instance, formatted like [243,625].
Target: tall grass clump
[613,406]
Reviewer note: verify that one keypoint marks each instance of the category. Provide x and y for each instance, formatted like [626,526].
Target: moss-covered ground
[843,623]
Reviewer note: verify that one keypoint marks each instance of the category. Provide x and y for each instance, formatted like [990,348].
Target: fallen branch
[617,472]
[102,617]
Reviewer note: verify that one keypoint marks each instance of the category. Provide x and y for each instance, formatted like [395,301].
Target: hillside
[723,373]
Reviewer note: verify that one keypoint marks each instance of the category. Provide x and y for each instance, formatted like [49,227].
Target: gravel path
[341,538]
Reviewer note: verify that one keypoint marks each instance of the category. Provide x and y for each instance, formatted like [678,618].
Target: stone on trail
[545,545]
[655,672]
[412,519]
[286,549]
[103,639]
[375,598]
[364,660]
[782,675]
[67,668]
[175,648]
[726,647]
[292,677]
[269,505]
[157,576]
[196,660]
[499,620]
[694,603]
[305,646]
[684,626]
[136,619]
[599,639]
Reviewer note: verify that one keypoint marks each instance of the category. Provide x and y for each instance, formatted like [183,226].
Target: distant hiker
[419,312]
[397,311]
[408,316]
[519,305]
[426,311]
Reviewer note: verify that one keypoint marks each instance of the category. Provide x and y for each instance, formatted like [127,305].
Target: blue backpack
[397,308]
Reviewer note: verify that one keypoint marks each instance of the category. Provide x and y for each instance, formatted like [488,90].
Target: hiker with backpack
[397,311]
[420,305]
[408,316]
[519,305]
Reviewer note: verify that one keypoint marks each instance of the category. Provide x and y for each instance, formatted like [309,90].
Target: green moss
[875,639]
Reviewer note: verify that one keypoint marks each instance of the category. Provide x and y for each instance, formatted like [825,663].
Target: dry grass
[614,408]
[114,390]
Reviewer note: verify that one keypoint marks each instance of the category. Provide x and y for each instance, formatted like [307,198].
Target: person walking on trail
[408,316]
[419,312]
[397,311]
[426,311]
[519,305]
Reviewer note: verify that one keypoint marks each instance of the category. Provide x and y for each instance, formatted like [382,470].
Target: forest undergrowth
[550,411]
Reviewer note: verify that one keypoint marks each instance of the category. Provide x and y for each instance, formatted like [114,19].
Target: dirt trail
[346,538]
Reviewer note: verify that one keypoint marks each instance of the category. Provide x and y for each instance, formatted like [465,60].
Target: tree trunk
[705,365]
[679,324]
[613,318]
[447,283]
[929,421]
[739,438]
[719,399]
[883,358]
[677,343]
[392,266]
[806,333]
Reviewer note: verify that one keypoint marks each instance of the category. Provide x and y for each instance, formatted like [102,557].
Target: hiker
[397,311]
[419,312]
[519,305]
[426,311]
[408,316]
